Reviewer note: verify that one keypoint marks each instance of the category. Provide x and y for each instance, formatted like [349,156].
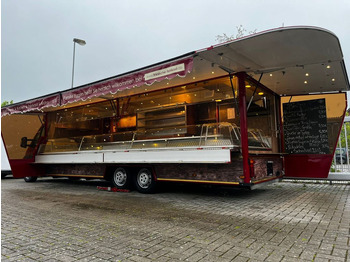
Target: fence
[340,169]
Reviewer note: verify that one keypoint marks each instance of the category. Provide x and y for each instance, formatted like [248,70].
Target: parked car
[341,156]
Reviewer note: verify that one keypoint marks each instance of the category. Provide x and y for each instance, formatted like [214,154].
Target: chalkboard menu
[305,127]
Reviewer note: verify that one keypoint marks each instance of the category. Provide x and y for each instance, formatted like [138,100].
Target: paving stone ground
[61,220]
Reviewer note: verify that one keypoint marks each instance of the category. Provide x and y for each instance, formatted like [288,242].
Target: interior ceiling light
[248,86]
[260,93]
[307,74]
[328,66]
[270,74]
[305,82]
[333,79]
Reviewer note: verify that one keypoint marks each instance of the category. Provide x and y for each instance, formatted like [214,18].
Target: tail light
[251,168]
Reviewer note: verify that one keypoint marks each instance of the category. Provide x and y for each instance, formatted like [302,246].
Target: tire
[121,178]
[145,181]
[30,179]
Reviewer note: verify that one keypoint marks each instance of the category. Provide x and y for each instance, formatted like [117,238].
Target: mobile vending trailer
[239,113]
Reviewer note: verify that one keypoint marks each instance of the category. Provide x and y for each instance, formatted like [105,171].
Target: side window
[261,117]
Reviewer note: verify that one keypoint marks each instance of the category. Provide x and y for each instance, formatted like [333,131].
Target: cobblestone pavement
[61,220]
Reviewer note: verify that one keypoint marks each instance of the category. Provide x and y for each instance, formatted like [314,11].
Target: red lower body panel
[307,166]
[23,167]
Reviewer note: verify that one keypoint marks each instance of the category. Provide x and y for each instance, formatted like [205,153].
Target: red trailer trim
[243,124]
[33,105]
[25,168]
[307,166]
[144,77]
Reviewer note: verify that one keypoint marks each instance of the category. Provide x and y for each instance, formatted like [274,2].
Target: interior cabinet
[169,120]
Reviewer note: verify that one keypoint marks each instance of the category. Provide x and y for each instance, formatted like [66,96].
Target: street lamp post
[80,42]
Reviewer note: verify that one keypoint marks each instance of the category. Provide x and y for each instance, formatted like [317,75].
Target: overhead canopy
[294,60]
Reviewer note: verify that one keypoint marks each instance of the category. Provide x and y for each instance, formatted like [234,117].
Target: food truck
[239,113]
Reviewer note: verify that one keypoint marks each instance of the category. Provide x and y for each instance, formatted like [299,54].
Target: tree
[344,141]
[5,103]
[240,33]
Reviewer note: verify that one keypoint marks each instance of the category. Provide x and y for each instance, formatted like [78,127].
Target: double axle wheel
[121,178]
[144,180]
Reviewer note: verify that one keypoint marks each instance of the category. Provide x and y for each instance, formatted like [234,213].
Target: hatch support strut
[256,88]
[234,95]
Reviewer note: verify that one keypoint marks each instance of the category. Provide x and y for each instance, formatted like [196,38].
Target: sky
[37,35]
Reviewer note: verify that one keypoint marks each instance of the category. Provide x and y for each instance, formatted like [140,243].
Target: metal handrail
[81,143]
[218,134]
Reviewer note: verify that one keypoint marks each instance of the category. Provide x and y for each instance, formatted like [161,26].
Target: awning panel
[295,60]
[145,77]
[34,105]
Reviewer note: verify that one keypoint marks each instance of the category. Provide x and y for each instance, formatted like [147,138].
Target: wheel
[121,178]
[30,179]
[145,181]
